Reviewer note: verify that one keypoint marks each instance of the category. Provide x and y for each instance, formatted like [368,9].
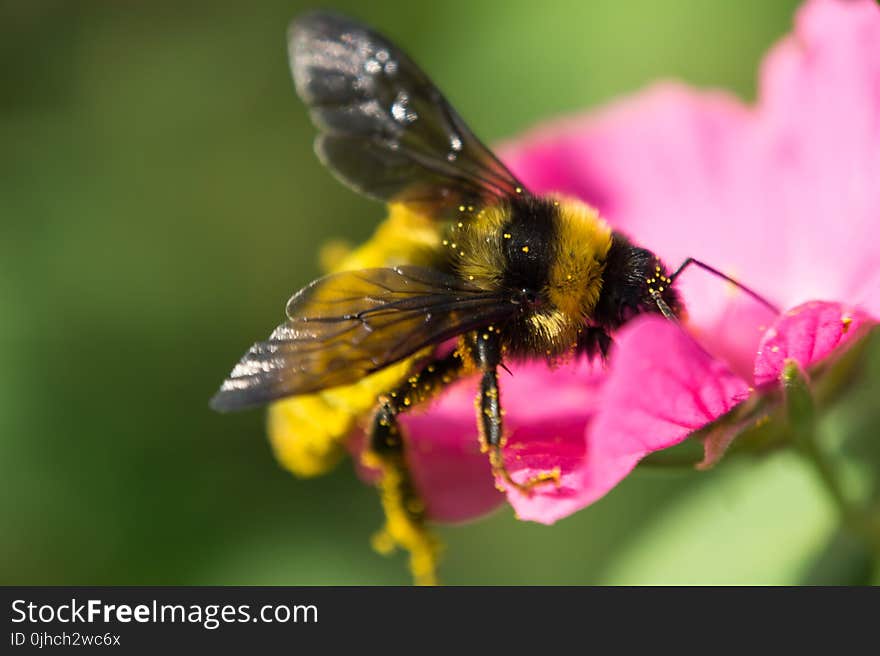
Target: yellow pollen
[519,190]
[507,235]
[525,249]
[461,208]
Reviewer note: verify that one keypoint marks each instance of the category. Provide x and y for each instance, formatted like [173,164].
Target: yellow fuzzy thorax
[477,246]
[577,261]
[308,432]
[582,244]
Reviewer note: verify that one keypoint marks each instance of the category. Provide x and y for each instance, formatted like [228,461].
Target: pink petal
[660,387]
[546,412]
[451,475]
[734,333]
[807,334]
[817,153]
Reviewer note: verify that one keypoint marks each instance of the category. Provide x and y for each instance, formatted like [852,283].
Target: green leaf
[751,522]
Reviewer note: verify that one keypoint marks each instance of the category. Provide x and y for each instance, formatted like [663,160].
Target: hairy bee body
[553,253]
[549,253]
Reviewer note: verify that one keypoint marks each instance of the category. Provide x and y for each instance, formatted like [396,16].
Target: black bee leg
[487,354]
[662,305]
[404,509]
[594,341]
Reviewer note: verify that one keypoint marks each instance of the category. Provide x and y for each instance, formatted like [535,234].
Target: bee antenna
[715,272]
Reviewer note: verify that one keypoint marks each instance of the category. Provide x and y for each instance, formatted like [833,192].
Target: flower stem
[802,421]
[823,467]
[858,520]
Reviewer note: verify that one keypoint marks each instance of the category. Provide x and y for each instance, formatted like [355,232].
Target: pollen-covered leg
[404,510]
[487,354]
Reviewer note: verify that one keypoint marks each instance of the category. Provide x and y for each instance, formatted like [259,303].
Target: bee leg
[594,341]
[404,509]
[487,353]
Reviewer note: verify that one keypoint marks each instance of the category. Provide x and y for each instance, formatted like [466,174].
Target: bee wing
[386,130]
[345,326]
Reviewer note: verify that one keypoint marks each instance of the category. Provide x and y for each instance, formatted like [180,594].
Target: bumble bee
[518,275]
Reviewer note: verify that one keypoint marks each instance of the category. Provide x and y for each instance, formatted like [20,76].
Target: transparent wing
[386,131]
[345,326]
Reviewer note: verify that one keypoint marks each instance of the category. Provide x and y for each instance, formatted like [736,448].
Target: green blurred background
[159,202]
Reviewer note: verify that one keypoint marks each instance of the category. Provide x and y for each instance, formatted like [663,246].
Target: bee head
[634,282]
[658,293]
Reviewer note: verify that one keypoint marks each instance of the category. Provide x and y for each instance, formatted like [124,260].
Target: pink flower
[784,195]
